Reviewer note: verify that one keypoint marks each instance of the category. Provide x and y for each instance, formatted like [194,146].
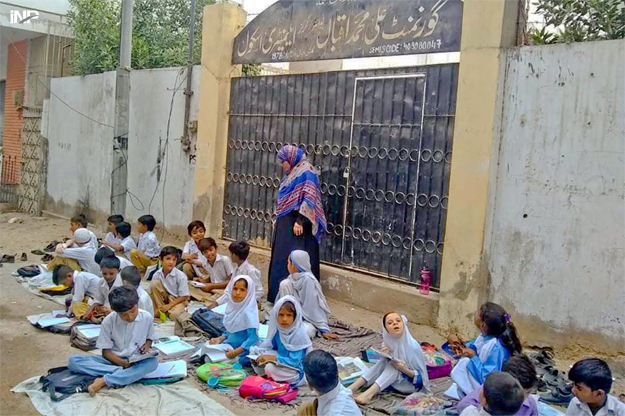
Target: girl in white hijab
[405,373]
[303,286]
[287,343]
[240,320]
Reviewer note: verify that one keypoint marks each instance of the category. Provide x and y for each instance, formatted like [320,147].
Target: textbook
[382,354]
[214,353]
[137,356]
[169,369]
[173,346]
[254,357]
[45,320]
[350,369]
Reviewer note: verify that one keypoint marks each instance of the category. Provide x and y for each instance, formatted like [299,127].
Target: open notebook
[176,368]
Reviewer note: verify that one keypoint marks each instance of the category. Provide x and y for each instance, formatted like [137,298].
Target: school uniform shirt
[221,270]
[293,359]
[85,284]
[479,366]
[175,283]
[337,402]
[612,407]
[474,411]
[528,408]
[148,244]
[191,247]
[102,293]
[246,269]
[93,241]
[145,301]
[123,262]
[112,238]
[85,256]
[128,244]
[125,338]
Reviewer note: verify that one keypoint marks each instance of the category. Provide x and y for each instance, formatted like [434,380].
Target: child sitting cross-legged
[592,380]
[282,354]
[240,320]
[124,332]
[77,254]
[194,260]
[110,279]
[131,277]
[111,234]
[84,288]
[218,270]
[148,248]
[502,395]
[322,375]
[125,242]
[80,221]
[406,372]
[169,289]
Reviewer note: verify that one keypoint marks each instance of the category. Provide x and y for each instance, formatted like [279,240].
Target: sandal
[47,257]
[24,257]
[51,247]
[558,395]
[7,259]
[37,252]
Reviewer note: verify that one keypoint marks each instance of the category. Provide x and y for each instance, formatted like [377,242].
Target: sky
[54,6]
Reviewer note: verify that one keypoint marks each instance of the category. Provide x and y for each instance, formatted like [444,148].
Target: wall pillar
[488,26]
[221,23]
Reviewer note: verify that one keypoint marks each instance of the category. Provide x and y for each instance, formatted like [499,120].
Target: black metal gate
[382,143]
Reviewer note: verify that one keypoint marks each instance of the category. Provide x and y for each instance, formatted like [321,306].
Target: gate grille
[34,160]
[381,141]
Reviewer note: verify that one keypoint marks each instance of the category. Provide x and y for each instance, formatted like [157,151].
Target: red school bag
[256,387]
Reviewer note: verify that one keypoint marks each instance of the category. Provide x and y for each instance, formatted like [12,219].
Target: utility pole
[186,139]
[119,177]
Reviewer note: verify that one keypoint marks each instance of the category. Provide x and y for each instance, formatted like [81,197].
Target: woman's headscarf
[242,315]
[295,337]
[408,350]
[315,307]
[299,189]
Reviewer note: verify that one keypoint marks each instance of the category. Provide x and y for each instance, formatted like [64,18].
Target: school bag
[221,374]
[78,340]
[437,361]
[56,290]
[60,383]
[209,322]
[420,404]
[256,387]
[29,271]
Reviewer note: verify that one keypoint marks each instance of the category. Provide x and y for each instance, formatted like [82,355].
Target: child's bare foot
[363,399]
[96,386]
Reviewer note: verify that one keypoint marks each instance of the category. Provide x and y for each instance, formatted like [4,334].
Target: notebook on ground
[215,353]
[173,346]
[169,369]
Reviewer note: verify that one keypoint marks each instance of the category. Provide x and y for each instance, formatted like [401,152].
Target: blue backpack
[209,322]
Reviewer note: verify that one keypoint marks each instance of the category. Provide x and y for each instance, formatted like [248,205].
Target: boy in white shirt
[111,235]
[502,395]
[124,332]
[109,267]
[79,256]
[107,252]
[219,270]
[126,243]
[80,221]
[85,287]
[169,289]
[148,248]
[194,260]
[592,380]
[131,277]
[334,399]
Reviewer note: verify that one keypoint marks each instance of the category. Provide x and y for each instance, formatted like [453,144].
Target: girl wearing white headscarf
[303,286]
[405,373]
[240,321]
[286,345]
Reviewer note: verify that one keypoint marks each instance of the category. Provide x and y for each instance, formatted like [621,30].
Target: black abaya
[284,241]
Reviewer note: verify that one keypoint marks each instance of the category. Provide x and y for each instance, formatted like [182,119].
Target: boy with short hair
[85,287]
[107,252]
[502,395]
[79,255]
[126,243]
[592,380]
[131,277]
[80,221]
[219,270]
[148,248]
[169,288]
[334,399]
[124,332]
[109,267]
[111,235]
[191,254]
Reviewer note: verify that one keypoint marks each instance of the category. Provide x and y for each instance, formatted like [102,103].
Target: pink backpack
[438,362]
[256,387]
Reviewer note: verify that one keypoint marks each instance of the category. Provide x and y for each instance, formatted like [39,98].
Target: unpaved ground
[26,351]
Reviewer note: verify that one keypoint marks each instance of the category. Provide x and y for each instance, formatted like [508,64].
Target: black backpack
[61,383]
[209,322]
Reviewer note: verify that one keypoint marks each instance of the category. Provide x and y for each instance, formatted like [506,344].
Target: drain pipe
[186,140]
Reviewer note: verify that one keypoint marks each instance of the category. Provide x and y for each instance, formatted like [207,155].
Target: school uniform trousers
[114,375]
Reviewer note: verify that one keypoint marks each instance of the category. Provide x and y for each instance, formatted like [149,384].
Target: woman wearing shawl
[302,285]
[240,320]
[301,220]
[287,343]
[405,373]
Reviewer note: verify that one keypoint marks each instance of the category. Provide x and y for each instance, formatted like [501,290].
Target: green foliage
[160,34]
[580,20]
[251,70]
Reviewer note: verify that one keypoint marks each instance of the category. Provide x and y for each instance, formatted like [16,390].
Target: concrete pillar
[221,23]
[487,27]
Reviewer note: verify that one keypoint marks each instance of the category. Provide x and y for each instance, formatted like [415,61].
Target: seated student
[303,285]
[79,256]
[521,368]
[240,320]
[84,288]
[489,351]
[287,343]
[219,270]
[502,395]
[110,279]
[169,290]
[405,373]
[592,380]
[148,249]
[124,332]
[194,260]
[322,375]
[132,277]
[107,252]
[80,221]
[126,242]
[111,235]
